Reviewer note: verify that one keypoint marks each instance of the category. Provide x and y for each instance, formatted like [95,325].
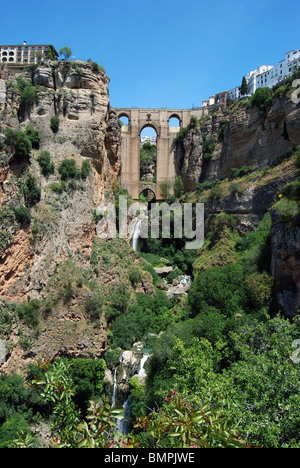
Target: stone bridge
[158,119]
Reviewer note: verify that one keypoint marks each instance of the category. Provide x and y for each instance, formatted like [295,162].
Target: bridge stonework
[158,119]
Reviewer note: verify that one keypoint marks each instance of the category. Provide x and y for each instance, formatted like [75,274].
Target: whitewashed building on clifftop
[265,76]
[26,54]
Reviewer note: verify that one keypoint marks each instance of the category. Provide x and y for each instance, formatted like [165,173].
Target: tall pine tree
[244,87]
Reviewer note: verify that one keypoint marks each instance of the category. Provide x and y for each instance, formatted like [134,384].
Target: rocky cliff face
[62,225]
[242,137]
[87,130]
[285,267]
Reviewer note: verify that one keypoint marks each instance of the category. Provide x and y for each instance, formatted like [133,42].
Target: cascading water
[113,399]
[142,372]
[123,425]
[136,235]
[115,385]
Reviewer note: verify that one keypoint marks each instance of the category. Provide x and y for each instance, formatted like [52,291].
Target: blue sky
[161,53]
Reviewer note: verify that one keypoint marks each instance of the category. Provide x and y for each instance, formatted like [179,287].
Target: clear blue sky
[161,53]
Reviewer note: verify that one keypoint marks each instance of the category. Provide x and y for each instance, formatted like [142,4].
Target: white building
[251,77]
[26,54]
[281,71]
[265,76]
[235,93]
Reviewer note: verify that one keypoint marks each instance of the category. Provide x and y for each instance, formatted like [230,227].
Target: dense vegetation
[224,351]
[224,367]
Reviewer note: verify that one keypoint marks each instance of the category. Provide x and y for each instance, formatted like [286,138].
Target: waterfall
[123,425]
[186,280]
[142,372]
[136,235]
[115,385]
[113,399]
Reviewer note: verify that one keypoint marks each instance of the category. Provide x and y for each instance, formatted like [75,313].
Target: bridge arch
[148,192]
[124,115]
[157,119]
[151,125]
[173,117]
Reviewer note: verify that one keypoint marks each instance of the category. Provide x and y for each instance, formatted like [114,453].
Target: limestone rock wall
[243,137]
[62,224]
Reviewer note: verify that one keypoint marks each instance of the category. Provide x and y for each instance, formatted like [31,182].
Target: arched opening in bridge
[174,121]
[123,120]
[148,155]
[147,196]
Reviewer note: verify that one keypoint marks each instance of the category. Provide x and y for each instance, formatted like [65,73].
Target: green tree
[167,191]
[68,169]
[188,423]
[34,137]
[66,52]
[244,87]
[45,163]
[54,123]
[18,142]
[262,99]
[178,187]
[23,215]
[220,287]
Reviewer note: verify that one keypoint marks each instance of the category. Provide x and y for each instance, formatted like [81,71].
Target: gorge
[145,323]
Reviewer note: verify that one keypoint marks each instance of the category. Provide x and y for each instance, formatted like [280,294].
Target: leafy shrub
[206,185]
[28,96]
[31,191]
[292,190]
[235,188]
[259,289]
[87,375]
[134,275]
[68,169]
[148,155]
[219,287]
[178,187]
[209,144]
[235,173]
[222,129]
[19,142]
[222,220]
[45,163]
[94,305]
[8,227]
[85,169]
[216,192]
[96,67]
[280,92]
[23,215]
[34,137]
[54,123]
[139,319]
[296,157]
[29,312]
[262,98]
[287,210]
[58,187]
[194,122]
